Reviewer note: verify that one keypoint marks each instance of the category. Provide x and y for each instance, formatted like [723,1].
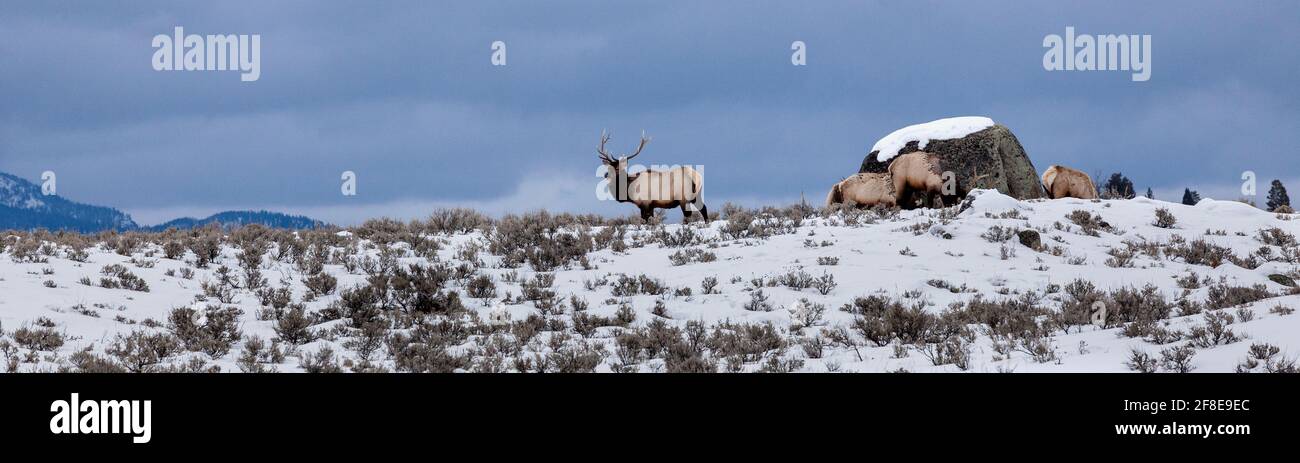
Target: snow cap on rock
[942,129]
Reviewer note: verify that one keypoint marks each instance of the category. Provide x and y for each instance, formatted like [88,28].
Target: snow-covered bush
[1141,362]
[691,255]
[321,361]
[39,338]
[257,357]
[805,313]
[1178,359]
[1088,222]
[758,302]
[1266,358]
[142,352]
[709,285]
[206,248]
[1198,252]
[1224,295]
[452,221]
[1215,331]
[1165,219]
[213,331]
[118,276]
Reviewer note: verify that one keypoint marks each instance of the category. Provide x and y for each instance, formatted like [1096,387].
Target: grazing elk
[653,189]
[917,172]
[866,189]
[1064,182]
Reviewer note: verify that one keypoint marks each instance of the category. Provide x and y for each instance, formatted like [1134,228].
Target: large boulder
[988,158]
[1031,239]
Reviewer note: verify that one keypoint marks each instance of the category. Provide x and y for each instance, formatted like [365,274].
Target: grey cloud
[403,94]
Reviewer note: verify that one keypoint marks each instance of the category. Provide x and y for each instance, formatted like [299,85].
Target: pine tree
[1118,187]
[1277,196]
[1150,195]
[1191,197]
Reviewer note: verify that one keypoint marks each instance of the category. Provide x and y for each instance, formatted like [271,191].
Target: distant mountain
[24,207]
[237,218]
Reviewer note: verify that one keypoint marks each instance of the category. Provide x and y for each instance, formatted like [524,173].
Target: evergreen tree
[1118,187]
[1191,197]
[1277,196]
[1150,195]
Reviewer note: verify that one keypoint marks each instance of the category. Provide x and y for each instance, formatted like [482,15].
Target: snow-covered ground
[936,258]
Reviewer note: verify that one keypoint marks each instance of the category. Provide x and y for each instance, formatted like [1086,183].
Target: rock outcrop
[990,158]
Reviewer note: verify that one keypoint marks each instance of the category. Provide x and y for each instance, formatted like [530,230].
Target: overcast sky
[404,94]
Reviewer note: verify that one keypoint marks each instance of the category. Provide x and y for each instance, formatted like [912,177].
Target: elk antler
[600,150]
[644,140]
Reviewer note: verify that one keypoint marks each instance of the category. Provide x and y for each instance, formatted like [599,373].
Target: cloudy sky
[404,94]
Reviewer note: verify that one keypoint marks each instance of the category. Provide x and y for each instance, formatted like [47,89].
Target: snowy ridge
[935,259]
[942,129]
[23,206]
[18,194]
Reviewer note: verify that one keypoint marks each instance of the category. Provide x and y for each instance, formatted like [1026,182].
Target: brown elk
[917,172]
[653,189]
[866,189]
[1064,182]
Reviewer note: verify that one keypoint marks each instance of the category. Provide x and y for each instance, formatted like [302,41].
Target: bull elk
[917,172]
[1064,182]
[653,189]
[866,189]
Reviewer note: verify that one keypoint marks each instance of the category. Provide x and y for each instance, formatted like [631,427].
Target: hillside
[777,290]
[239,218]
[24,207]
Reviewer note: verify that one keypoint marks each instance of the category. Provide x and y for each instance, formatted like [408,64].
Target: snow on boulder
[980,152]
[942,129]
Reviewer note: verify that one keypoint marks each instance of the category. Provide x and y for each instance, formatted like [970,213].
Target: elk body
[915,173]
[1064,182]
[867,189]
[653,189]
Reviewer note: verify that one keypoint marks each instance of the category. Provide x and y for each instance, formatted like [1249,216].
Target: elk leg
[704,211]
[646,212]
[906,199]
[686,214]
[936,200]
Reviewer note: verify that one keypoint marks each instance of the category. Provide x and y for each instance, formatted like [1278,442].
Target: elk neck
[615,184]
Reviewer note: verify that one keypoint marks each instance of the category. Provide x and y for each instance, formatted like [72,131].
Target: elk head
[616,166]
